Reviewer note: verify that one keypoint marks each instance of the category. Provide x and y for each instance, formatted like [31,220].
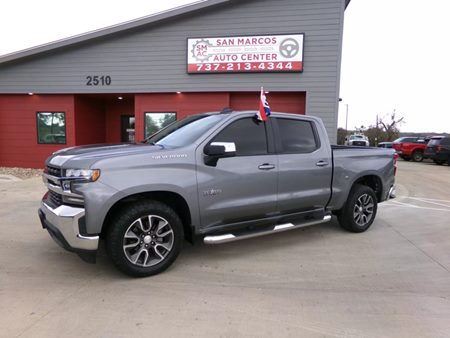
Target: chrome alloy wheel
[363,210]
[148,240]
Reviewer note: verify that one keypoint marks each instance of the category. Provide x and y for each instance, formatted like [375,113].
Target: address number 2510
[95,80]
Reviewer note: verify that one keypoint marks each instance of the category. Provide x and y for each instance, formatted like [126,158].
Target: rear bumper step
[230,237]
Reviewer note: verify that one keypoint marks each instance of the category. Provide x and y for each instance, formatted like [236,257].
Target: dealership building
[122,83]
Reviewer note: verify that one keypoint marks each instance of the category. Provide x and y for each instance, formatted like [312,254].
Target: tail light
[395,163]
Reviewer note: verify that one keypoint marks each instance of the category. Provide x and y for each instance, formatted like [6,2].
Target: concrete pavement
[321,281]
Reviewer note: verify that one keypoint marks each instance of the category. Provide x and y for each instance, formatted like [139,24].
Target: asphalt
[320,281]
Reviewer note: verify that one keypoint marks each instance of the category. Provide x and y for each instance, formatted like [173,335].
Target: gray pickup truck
[217,176]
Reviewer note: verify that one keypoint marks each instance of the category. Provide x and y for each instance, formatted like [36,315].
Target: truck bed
[352,163]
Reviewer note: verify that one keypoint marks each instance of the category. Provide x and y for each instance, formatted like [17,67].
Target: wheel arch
[172,199]
[372,181]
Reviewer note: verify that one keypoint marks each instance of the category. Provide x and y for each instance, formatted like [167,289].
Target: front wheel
[145,238]
[360,210]
[417,156]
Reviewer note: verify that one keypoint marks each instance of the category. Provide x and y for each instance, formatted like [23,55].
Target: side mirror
[216,150]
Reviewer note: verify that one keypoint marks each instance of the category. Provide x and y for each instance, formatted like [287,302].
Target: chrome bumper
[392,192]
[63,225]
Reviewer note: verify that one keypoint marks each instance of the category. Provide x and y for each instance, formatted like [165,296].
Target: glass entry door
[127,130]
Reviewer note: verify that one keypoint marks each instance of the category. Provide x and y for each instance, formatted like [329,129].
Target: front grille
[54,171]
[54,199]
[359,143]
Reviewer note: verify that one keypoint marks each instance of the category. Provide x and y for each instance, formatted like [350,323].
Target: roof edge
[121,27]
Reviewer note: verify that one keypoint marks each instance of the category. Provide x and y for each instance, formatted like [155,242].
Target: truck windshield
[185,131]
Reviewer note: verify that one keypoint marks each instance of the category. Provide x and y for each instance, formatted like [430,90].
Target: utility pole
[376,135]
[346,118]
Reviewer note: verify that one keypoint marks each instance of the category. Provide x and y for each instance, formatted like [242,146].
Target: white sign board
[242,54]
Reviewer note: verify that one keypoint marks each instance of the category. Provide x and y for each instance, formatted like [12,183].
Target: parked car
[410,147]
[384,145]
[217,176]
[438,149]
[357,140]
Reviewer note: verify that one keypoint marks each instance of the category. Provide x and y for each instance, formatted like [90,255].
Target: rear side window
[248,134]
[297,136]
[434,141]
[445,141]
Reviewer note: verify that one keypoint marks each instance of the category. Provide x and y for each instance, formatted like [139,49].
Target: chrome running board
[225,238]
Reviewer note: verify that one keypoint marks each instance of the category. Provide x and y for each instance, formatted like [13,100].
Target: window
[297,136]
[156,121]
[445,141]
[51,127]
[248,134]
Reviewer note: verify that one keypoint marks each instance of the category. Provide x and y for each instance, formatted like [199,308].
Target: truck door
[239,188]
[304,166]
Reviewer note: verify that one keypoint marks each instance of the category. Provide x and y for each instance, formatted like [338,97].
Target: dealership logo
[200,50]
[289,48]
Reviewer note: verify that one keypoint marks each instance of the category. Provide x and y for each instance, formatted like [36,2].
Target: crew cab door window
[239,188]
[248,134]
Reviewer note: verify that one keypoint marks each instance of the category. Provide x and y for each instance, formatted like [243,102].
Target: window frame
[277,134]
[37,126]
[157,112]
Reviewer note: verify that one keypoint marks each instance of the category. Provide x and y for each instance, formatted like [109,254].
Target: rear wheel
[417,156]
[360,210]
[145,238]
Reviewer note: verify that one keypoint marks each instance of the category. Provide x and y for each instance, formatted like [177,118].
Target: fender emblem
[212,192]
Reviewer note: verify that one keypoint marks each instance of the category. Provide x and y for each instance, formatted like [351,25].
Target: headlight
[87,174]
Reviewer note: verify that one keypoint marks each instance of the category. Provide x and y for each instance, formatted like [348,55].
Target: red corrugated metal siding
[279,101]
[89,120]
[18,130]
[183,104]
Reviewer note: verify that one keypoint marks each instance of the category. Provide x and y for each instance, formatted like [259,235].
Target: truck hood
[95,152]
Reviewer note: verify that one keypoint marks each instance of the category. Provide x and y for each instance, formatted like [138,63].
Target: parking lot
[320,281]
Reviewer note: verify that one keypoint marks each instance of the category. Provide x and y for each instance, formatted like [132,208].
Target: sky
[396,54]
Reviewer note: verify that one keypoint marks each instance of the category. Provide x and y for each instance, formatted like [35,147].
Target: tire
[439,162]
[417,156]
[145,238]
[360,210]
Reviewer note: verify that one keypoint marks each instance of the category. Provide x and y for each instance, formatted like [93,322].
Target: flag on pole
[264,109]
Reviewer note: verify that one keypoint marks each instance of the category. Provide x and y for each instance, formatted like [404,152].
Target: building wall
[18,128]
[114,110]
[186,104]
[153,58]
[89,121]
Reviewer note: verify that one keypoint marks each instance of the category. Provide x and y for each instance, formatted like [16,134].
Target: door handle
[266,166]
[322,163]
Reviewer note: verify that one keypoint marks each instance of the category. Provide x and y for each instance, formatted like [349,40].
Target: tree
[341,133]
[391,128]
[167,119]
[151,125]
[386,130]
